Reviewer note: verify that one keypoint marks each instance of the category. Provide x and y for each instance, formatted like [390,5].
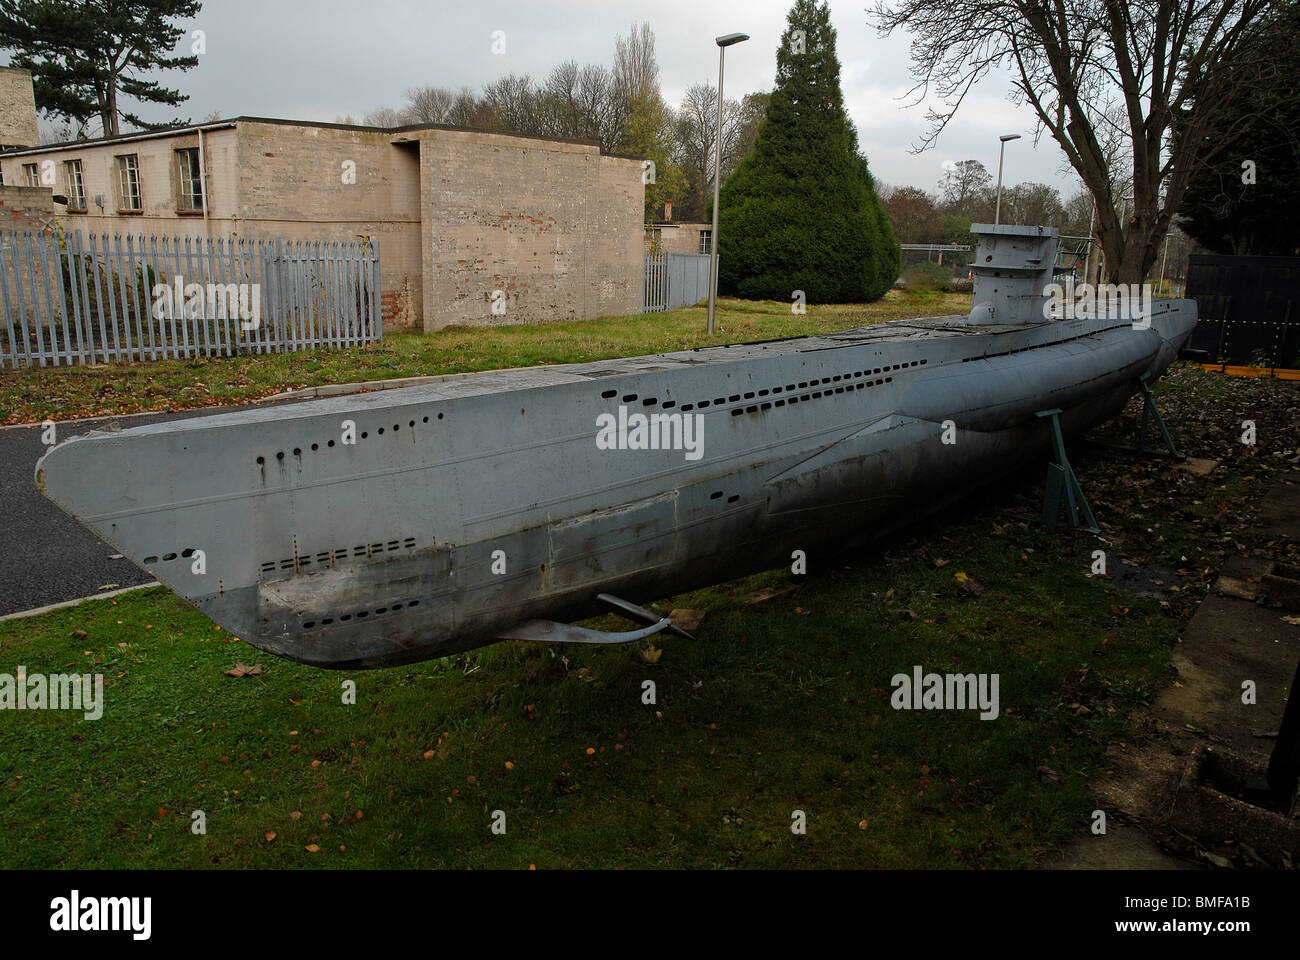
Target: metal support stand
[1062,481]
[1151,412]
[1284,764]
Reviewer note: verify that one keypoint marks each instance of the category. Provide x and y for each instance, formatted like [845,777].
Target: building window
[191,179]
[76,186]
[31,174]
[706,241]
[128,183]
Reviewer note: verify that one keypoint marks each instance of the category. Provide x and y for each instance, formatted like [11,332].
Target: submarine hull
[384,528]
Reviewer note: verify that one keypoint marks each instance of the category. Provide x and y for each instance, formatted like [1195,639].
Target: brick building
[466,220]
[670,236]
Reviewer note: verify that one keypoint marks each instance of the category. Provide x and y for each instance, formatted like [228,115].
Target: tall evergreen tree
[85,57]
[801,212]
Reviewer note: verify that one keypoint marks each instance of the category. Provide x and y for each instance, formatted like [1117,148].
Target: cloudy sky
[321,59]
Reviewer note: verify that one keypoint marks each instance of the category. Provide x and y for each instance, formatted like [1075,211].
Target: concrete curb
[68,604]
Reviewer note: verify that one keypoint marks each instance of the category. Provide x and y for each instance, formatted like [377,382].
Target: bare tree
[468,110]
[383,117]
[429,104]
[753,111]
[512,101]
[636,70]
[1074,61]
[696,132]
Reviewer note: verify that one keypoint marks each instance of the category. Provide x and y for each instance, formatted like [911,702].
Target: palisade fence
[674,280]
[65,299]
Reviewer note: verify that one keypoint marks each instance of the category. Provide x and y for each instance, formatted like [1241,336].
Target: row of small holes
[738,411]
[365,435]
[340,554]
[704,404]
[363,615]
[148,561]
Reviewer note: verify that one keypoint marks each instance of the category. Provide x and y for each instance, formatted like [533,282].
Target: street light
[997,213]
[723,43]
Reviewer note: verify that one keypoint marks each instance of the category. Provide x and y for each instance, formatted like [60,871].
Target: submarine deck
[464,386]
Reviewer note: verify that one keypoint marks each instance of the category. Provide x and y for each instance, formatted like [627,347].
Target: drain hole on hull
[326,556]
[359,615]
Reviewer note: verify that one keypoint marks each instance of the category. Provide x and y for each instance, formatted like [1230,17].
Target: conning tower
[1012,273]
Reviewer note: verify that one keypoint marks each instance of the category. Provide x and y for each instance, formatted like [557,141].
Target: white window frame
[32,174]
[72,170]
[190,181]
[128,183]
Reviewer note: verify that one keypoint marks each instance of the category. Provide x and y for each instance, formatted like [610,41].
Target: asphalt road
[49,557]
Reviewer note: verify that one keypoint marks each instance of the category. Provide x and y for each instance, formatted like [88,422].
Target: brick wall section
[26,208]
[555,226]
[17,109]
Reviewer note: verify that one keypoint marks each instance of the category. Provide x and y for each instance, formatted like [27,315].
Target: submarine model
[383,528]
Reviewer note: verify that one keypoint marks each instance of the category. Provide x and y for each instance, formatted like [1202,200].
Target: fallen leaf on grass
[687,620]
[650,654]
[242,671]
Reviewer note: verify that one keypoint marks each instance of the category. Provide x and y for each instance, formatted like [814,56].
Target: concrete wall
[26,208]
[17,110]
[555,226]
[326,183]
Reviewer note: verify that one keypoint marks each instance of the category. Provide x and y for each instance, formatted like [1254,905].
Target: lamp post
[723,43]
[1002,151]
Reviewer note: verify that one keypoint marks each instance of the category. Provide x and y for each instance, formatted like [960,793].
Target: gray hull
[391,550]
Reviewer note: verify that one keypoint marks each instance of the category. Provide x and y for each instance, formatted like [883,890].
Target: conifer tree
[801,212]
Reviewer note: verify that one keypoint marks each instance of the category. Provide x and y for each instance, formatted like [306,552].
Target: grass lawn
[68,393]
[778,707]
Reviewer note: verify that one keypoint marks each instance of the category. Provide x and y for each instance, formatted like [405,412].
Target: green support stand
[1149,412]
[1062,484]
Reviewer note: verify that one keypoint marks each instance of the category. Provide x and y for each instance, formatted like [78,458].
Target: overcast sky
[321,59]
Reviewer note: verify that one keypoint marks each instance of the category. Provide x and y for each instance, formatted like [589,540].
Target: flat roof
[235,121]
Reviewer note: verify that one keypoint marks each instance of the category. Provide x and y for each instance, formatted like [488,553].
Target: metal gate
[674,280]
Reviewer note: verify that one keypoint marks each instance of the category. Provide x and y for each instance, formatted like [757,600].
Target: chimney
[668,211]
[17,109]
